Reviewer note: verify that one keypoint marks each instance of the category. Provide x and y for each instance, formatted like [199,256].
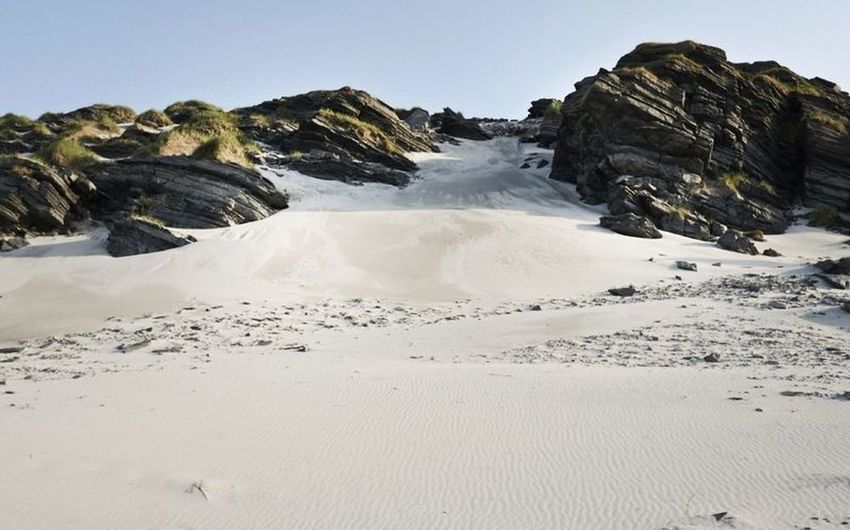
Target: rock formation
[37,198]
[453,124]
[183,192]
[129,237]
[191,165]
[343,134]
[694,143]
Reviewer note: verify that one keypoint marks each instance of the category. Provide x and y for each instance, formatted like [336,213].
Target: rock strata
[677,128]
[185,193]
[129,237]
[37,198]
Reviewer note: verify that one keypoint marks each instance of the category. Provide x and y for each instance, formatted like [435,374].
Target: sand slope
[430,392]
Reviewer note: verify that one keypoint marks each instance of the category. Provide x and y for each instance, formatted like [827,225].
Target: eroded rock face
[341,134]
[36,198]
[679,126]
[182,192]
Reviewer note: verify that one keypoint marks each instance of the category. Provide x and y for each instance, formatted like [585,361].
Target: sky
[482,57]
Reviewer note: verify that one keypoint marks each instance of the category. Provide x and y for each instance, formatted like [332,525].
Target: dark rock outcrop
[184,192]
[623,292]
[342,134]
[831,266]
[721,143]
[418,119]
[129,237]
[453,124]
[12,243]
[630,224]
[37,198]
[540,108]
[737,242]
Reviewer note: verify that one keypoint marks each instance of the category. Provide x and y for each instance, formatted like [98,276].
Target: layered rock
[129,237]
[453,124]
[183,192]
[343,134]
[679,134]
[37,198]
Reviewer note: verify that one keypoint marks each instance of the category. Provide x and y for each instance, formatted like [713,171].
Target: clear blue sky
[483,57]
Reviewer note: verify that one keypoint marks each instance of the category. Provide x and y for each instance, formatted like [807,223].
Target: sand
[442,356]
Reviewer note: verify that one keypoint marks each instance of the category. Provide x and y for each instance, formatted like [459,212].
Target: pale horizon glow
[484,58]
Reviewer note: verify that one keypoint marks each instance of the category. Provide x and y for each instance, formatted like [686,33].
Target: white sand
[426,418]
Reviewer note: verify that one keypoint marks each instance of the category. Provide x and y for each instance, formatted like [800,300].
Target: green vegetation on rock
[185,110]
[733,180]
[147,219]
[211,135]
[364,130]
[15,121]
[554,109]
[825,216]
[154,118]
[832,121]
[65,152]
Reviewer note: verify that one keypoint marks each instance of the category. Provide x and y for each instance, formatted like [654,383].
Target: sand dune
[442,356]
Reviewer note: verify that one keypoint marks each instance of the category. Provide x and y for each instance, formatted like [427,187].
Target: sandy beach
[445,355]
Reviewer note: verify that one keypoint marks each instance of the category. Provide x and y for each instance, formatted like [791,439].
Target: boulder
[737,241]
[623,292]
[129,237]
[686,266]
[831,266]
[771,253]
[184,192]
[454,124]
[630,224]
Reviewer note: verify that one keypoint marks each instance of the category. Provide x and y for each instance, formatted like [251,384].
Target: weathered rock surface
[184,192]
[623,292]
[831,266]
[686,266]
[717,142]
[342,134]
[418,119]
[129,237]
[836,273]
[36,198]
[737,242]
[12,243]
[454,124]
[630,224]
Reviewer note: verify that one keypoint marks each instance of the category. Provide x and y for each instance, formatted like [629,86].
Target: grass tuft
[147,219]
[65,152]
[733,181]
[825,216]
[15,121]
[209,135]
[364,130]
[830,120]
[554,109]
[183,111]
[154,118]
